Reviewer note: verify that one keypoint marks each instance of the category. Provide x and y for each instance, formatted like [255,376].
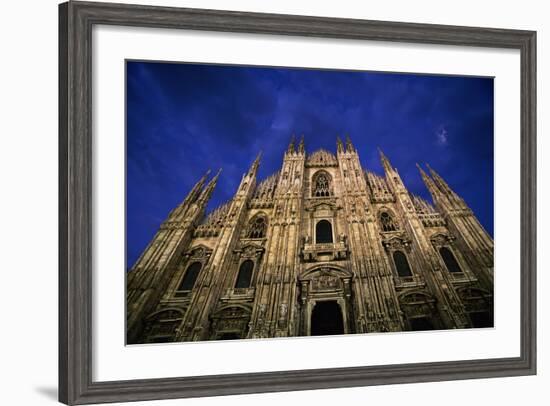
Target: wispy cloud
[442,136]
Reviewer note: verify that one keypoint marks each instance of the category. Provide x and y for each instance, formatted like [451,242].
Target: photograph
[265,202]
[254,201]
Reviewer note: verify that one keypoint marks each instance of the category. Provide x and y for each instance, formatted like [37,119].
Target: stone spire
[437,196]
[385,162]
[427,181]
[349,145]
[248,181]
[191,197]
[301,147]
[290,149]
[255,165]
[207,192]
[445,189]
[339,145]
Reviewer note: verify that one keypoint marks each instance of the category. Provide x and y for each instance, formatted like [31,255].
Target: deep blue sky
[185,118]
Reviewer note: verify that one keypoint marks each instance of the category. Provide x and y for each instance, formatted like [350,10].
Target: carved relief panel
[161,326]
[230,322]
[420,311]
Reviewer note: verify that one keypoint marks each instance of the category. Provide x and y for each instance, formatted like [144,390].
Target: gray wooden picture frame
[76,20]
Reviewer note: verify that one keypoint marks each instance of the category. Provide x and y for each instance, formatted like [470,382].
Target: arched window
[323,232]
[257,227]
[387,223]
[190,276]
[321,185]
[449,259]
[245,274]
[401,264]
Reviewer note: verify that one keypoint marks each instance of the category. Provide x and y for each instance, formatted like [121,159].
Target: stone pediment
[249,249]
[326,271]
[396,240]
[199,251]
[323,206]
[416,297]
[325,279]
[319,204]
[441,239]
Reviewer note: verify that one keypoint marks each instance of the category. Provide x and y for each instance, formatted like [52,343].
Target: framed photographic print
[257,202]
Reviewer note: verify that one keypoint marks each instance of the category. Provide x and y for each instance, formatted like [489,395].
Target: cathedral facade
[321,247]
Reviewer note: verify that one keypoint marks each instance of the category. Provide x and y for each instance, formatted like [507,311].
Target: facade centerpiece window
[387,222]
[321,185]
[257,227]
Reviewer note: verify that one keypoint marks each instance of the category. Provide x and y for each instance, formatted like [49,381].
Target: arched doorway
[326,319]
[325,298]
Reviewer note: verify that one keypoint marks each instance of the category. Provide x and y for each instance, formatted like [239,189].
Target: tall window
[190,276]
[323,232]
[257,227]
[245,274]
[401,264]
[449,259]
[321,185]
[387,223]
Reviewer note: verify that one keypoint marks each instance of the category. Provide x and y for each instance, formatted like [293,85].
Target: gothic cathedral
[320,247]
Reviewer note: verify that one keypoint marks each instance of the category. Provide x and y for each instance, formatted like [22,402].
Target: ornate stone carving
[476,299]
[396,242]
[378,188]
[388,222]
[249,250]
[213,223]
[200,253]
[417,304]
[321,158]
[441,240]
[233,319]
[325,282]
